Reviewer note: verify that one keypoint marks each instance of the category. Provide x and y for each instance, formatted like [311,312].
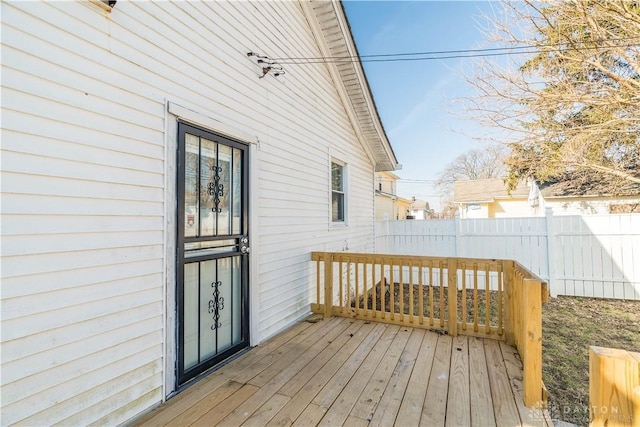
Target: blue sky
[416,99]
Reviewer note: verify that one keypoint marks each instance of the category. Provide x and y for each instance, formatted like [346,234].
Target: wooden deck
[341,371]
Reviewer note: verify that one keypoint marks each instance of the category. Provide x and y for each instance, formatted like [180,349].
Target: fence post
[328,284]
[614,387]
[452,296]
[458,226]
[550,251]
[532,342]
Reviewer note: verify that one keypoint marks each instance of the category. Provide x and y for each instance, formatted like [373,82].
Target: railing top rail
[317,255]
[526,272]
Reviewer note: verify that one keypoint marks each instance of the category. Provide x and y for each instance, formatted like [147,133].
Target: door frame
[183,377]
[195,116]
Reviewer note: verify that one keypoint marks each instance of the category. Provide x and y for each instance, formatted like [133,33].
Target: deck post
[509,283]
[614,387]
[532,342]
[328,284]
[452,296]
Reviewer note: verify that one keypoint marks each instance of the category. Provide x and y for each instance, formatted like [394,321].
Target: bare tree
[475,164]
[569,103]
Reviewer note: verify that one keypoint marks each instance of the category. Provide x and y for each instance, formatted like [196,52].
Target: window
[337,192]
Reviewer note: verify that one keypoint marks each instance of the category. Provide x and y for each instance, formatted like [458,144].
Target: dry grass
[570,325]
[433,302]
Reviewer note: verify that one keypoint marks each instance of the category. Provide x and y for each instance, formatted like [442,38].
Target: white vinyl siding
[83,181]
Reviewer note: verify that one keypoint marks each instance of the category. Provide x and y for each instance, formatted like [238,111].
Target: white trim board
[208,122]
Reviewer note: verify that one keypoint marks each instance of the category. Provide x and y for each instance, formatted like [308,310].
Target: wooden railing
[485,298]
[614,387]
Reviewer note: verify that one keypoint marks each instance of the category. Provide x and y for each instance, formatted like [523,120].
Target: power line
[447,54]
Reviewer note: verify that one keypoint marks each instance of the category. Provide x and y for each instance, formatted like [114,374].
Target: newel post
[532,351]
[614,387]
[452,296]
[328,284]
[509,310]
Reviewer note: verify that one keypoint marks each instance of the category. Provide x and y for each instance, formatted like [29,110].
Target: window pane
[337,207]
[208,165]
[191,195]
[336,177]
[236,192]
[208,279]
[224,189]
[191,313]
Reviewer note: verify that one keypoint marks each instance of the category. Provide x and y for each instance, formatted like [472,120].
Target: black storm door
[213,246]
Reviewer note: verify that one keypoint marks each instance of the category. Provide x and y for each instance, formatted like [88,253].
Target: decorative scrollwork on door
[216,189]
[215,305]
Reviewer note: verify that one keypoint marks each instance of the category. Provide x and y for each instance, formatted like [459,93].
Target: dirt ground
[569,326]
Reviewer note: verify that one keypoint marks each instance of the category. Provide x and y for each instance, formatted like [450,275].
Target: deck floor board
[358,373]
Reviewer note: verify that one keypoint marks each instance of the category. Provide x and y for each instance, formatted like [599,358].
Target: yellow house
[387,203]
[489,198]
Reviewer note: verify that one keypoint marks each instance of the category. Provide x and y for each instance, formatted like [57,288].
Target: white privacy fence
[593,256]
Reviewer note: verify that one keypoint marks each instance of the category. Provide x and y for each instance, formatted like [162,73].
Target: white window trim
[345,192]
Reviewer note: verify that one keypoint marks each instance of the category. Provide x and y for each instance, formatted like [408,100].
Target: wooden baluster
[383,289]
[411,304]
[392,297]
[441,280]
[318,282]
[431,294]
[401,291]
[475,297]
[463,267]
[365,291]
[374,297]
[452,297]
[487,300]
[357,287]
[421,293]
[341,287]
[500,286]
[348,283]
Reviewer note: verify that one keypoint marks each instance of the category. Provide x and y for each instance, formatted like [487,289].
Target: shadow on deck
[341,371]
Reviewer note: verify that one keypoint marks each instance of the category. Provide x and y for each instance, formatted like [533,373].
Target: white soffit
[338,42]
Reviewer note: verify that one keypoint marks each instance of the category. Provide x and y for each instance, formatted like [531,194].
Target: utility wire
[447,54]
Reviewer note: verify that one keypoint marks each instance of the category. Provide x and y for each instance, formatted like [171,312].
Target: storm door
[213,246]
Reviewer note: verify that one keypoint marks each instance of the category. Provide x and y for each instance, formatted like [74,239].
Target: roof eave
[329,19]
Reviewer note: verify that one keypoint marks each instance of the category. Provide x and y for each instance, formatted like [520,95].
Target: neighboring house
[388,205]
[577,197]
[489,198]
[144,152]
[403,208]
[419,209]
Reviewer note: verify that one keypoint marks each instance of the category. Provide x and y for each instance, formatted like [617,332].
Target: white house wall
[512,209]
[84,179]
[586,206]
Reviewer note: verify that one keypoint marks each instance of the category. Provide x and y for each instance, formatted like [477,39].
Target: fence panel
[427,238]
[592,256]
[520,239]
[599,255]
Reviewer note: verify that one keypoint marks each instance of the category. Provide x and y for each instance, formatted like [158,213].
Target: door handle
[245,249]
